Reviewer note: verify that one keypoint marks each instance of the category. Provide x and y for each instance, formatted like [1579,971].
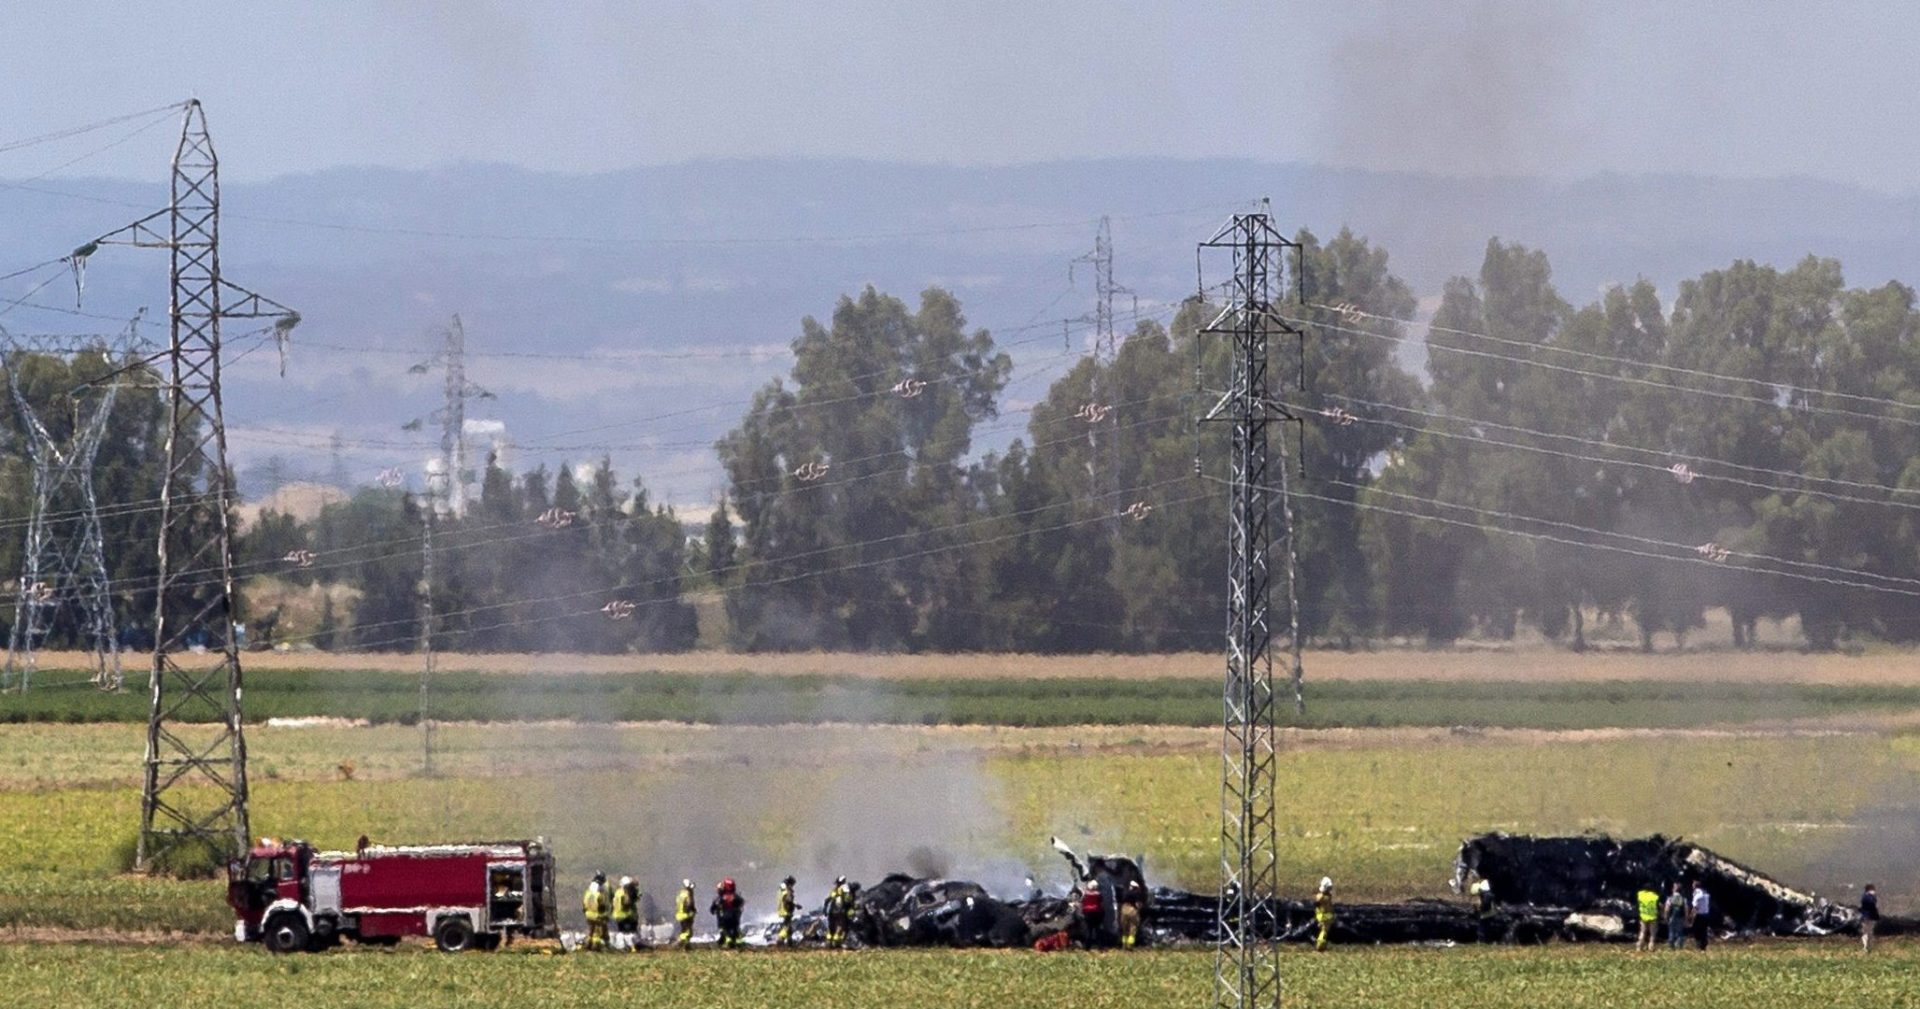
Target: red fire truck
[291,897]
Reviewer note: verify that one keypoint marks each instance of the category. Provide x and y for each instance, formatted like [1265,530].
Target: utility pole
[436,490]
[452,415]
[195,790]
[1247,960]
[1103,423]
[63,562]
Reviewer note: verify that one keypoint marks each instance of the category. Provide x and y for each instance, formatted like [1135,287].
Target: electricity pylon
[195,791]
[1247,959]
[63,564]
[452,415]
[1103,459]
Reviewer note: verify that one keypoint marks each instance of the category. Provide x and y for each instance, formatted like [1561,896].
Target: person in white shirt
[1702,915]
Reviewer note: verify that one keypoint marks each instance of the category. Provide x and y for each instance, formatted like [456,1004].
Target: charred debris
[1545,888]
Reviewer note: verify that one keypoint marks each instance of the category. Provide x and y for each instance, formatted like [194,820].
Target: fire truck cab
[291,897]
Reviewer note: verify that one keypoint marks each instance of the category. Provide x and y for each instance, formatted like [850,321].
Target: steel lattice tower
[1103,455]
[452,415]
[1247,960]
[63,561]
[195,791]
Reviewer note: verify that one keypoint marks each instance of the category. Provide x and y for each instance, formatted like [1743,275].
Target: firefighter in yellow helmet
[683,915]
[597,904]
[786,908]
[1323,914]
[839,908]
[626,914]
[1132,903]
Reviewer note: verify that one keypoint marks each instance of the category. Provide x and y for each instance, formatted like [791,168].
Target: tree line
[1753,446]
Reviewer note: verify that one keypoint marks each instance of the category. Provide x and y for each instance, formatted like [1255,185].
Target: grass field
[1381,810]
[1729,977]
[745,698]
[1805,772]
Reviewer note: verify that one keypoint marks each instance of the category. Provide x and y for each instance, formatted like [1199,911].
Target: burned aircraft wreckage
[1544,888]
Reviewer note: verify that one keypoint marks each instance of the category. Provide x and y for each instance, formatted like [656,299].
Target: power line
[603,593]
[151,504]
[1691,553]
[1625,447]
[269,567]
[14,145]
[1604,376]
[1646,540]
[1667,471]
[1350,311]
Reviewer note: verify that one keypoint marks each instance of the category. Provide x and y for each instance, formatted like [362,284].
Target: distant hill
[731,255]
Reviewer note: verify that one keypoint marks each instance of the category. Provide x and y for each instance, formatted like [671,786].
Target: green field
[747,698]
[1380,810]
[1729,977]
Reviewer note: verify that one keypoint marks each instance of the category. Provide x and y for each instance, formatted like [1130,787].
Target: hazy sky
[1746,89]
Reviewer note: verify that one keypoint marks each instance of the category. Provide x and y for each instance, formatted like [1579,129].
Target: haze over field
[589,184]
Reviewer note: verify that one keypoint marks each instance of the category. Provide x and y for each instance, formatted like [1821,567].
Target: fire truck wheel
[453,935]
[285,933]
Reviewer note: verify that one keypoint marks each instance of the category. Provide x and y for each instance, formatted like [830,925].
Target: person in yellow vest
[1647,902]
[683,915]
[786,908]
[1323,914]
[626,914]
[596,904]
[839,904]
[1132,903]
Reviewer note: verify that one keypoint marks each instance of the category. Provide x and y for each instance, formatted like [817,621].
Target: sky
[1753,89]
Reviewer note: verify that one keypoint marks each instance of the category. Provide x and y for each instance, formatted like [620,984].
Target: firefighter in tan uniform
[626,914]
[839,909]
[1323,914]
[683,915]
[787,906]
[597,904]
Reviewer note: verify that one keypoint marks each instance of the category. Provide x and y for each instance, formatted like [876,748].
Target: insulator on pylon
[390,477]
[557,518]
[41,592]
[619,609]
[908,388]
[1682,472]
[299,558]
[810,471]
[1139,510]
[1713,552]
[1093,413]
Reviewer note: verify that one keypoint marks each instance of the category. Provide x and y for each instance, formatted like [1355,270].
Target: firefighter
[838,908]
[725,909]
[1323,914]
[626,914]
[785,909]
[683,915]
[1092,911]
[1132,901]
[596,904]
[1484,911]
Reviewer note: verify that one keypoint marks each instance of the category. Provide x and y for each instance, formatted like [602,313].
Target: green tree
[845,482]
